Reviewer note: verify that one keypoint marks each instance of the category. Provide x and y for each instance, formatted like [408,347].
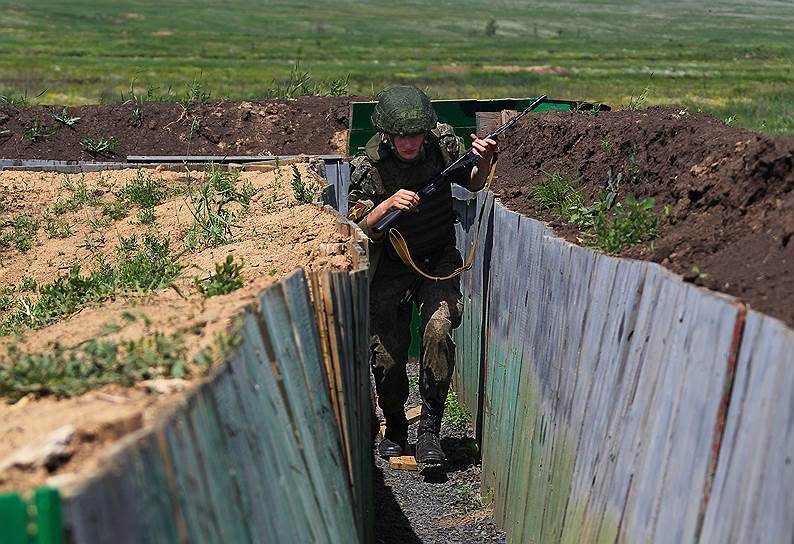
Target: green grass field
[733,58]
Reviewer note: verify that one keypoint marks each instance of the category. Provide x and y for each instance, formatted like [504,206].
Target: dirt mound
[309,125]
[728,193]
[80,221]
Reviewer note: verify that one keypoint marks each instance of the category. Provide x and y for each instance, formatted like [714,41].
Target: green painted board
[13,519]
[49,516]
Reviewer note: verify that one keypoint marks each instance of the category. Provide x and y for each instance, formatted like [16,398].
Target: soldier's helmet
[403,110]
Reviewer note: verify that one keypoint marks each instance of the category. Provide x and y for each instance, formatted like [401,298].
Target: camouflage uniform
[376,174]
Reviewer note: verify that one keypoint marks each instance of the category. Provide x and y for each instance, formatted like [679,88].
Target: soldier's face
[408,146]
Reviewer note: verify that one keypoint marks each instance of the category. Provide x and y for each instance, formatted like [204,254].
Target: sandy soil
[273,238]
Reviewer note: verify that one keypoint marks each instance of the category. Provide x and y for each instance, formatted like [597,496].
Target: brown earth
[310,125]
[274,237]
[730,192]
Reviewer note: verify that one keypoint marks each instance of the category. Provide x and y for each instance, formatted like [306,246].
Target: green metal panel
[13,519]
[49,519]
[461,114]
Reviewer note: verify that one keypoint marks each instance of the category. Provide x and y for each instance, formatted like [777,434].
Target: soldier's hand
[405,200]
[484,148]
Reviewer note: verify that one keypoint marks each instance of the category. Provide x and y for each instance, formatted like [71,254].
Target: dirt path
[434,506]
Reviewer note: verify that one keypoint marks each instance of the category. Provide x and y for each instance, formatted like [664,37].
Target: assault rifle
[466,160]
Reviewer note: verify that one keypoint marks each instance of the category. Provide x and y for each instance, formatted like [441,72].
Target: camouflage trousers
[440,305]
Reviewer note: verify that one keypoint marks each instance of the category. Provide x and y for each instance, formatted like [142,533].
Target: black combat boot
[396,436]
[428,444]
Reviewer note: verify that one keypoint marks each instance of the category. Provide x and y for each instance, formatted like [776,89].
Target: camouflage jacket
[377,173]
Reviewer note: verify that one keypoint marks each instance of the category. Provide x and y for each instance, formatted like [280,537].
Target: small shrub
[146,216]
[227,278]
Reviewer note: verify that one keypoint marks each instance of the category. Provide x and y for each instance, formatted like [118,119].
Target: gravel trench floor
[434,505]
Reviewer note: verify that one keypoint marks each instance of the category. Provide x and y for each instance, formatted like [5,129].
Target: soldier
[409,149]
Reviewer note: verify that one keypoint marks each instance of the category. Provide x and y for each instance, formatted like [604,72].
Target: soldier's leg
[440,308]
[390,337]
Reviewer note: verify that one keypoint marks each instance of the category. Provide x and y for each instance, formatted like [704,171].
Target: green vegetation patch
[97,362]
[455,412]
[215,205]
[606,224]
[19,231]
[139,268]
[227,278]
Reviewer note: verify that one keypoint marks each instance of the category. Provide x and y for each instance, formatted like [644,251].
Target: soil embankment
[310,125]
[729,193]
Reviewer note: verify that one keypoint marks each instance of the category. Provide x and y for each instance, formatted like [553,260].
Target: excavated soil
[730,192]
[310,125]
[275,236]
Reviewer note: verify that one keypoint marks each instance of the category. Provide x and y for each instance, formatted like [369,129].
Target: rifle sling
[401,247]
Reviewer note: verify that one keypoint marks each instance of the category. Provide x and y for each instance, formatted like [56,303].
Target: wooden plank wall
[274,447]
[620,403]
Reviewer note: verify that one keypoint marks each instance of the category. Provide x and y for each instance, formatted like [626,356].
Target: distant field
[733,59]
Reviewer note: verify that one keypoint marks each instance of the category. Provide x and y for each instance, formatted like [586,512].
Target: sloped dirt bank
[310,125]
[728,192]
[81,220]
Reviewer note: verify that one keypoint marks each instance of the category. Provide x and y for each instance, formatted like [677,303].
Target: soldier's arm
[367,202]
[485,148]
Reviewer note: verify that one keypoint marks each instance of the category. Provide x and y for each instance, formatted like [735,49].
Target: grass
[97,362]
[602,52]
[455,412]
[608,224]
[215,205]
[100,145]
[139,267]
[227,278]
[19,231]
[66,119]
[79,196]
[304,192]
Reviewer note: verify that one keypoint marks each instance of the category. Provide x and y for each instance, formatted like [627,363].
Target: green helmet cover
[403,110]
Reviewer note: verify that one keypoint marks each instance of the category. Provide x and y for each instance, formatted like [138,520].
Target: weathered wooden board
[752,497]
[254,454]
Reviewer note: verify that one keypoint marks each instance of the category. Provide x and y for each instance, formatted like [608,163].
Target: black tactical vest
[431,227]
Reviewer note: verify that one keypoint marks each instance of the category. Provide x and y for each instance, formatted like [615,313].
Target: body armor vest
[431,227]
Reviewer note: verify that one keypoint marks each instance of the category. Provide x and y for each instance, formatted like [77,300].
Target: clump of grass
[56,227]
[628,224]
[36,132]
[144,190]
[304,192]
[70,372]
[300,83]
[66,119]
[79,196]
[19,231]
[115,209]
[139,268]
[100,145]
[455,412]
[146,216]
[215,205]
[607,224]
[227,278]
[195,92]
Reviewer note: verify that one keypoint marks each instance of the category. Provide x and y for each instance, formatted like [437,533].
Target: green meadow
[733,59]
